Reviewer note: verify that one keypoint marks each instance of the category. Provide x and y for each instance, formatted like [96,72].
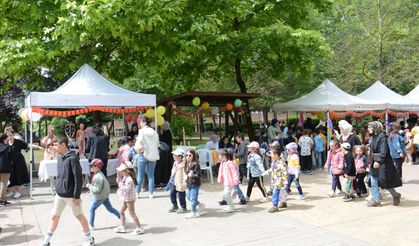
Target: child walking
[126,190]
[193,172]
[350,171]
[178,180]
[255,170]
[279,177]
[100,190]
[334,165]
[294,169]
[361,169]
[228,176]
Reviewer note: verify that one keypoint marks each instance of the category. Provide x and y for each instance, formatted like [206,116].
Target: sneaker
[269,193]
[138,231]
[369,198]
[228,210]
[396,200]
[89,242]
[345,197]
[264,199]
[17,195]
[374,204]
[338,192]
[301,197]
[120,229]
[348,199]
[151,196]
[173,209]
[192,215]
[182,211]
[138,195]
[4,203]
[91,228]
[222,203]
[247,198]
[201,208]
[282,205]
[273,209]
[10,194]
[331,194]
[243,202]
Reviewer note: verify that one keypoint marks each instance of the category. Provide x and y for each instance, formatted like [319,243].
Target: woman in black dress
[19,175]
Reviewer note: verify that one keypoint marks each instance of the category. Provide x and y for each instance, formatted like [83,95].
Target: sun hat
[253,144]
[178,152]
[124,166]
[274,143]
[96,163]
[346,145]
[292,147]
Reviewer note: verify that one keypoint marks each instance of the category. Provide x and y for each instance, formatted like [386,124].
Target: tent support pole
[123,121]
[31,153]
[155,117]
[387,123]
[327,130]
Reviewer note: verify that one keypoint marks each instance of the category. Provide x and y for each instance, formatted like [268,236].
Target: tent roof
[382,94]
[89,88]
[326,96]
[414,94]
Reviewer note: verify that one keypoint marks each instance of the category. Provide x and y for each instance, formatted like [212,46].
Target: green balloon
[237,103]
[196,101]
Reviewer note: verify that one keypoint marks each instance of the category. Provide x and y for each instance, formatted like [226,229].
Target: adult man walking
[98,146]
[68,187]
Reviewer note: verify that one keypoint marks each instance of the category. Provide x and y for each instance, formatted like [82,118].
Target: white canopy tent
[414,94]
[382,94]
[325,97]
[84,89]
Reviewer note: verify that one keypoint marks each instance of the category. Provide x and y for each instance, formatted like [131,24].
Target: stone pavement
[318,220]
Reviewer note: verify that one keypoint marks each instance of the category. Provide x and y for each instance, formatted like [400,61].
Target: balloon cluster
[25,115]
[161,110]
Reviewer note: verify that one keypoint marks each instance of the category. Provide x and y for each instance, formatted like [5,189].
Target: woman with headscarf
[347,135]
[382,170]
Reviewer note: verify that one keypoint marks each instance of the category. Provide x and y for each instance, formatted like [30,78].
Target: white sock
[88,236]
[47,238]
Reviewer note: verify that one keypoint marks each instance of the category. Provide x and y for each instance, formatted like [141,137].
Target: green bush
[178,123]
[59,124]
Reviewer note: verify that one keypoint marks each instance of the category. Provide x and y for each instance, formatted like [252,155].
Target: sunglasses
[189,155]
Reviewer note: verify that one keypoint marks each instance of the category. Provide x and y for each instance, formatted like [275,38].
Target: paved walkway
[318,220]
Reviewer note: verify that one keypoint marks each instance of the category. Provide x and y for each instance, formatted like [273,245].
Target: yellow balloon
[320,115]
[149,113]
[23,116]
[160,120]
[205,106]
[161,110]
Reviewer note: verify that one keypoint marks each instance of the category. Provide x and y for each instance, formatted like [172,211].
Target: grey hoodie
[242,152]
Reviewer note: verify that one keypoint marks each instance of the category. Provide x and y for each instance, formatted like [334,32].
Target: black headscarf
[376,126]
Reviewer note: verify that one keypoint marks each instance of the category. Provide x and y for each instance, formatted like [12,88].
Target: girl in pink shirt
[360,156]
[334,165]
[228,175]
[124,151]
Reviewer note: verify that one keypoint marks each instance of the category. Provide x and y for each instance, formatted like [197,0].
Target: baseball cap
[346,145]
[253,144]
[96,163]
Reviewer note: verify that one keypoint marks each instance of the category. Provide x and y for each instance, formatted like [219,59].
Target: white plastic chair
[203,159]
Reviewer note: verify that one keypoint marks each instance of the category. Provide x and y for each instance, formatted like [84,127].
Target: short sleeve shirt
[305,143]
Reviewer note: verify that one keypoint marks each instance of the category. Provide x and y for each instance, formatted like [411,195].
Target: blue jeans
[95,204]
[275,196]
[291,177]
[375,190]
[319,159]
[193,192]
[336,182]
[145,166]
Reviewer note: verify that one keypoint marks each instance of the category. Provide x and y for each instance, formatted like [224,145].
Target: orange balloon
[229,106]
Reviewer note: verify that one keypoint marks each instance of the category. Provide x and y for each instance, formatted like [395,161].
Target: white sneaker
[301,197]
[138,231]
[120,229]
[10,194]
[247,198]
[228,210]
[91,228]
[331,194]
[201,208]
[89,242]
[338,192]
[369,198]
[138,195]
[17,195]
[151,196]
[192,215]
[264,199]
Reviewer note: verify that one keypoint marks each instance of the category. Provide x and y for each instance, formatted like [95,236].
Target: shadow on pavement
[159,230]
[408,203]
[121,241]
[13,234]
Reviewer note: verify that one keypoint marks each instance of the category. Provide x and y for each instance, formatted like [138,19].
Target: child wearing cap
[294,170]
[100,190]
[350,171]
[255,171]
[126,190]
[178,181]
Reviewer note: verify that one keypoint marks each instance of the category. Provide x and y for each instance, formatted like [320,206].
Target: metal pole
[155,117]
[31,151]
[123,122]
[387,123]
[327,129]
